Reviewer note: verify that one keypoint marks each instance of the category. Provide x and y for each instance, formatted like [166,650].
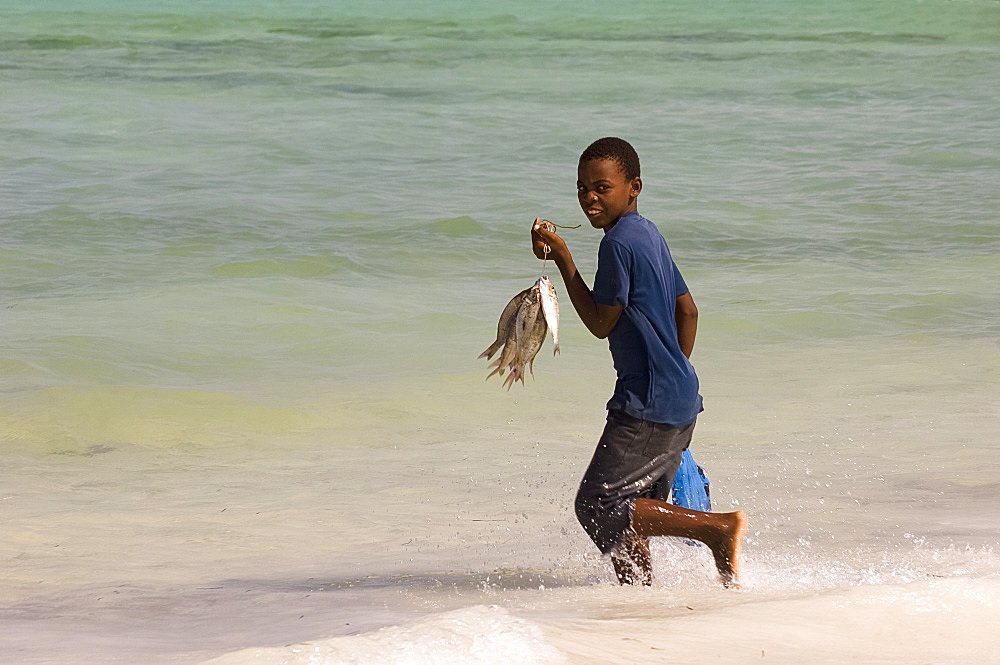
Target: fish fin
[555,351]
[510,379]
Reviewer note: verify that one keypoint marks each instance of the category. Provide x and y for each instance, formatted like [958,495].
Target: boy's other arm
[686,316]
[599,319]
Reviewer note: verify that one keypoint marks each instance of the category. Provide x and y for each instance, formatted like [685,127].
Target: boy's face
[605,195]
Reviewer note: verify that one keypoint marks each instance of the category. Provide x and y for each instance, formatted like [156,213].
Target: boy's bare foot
[728,545]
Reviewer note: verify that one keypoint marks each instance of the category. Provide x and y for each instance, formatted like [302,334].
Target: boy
[642,305]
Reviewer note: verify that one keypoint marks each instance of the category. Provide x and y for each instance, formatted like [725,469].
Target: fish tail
[490,350]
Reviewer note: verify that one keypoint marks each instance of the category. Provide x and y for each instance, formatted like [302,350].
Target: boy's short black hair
[620,150]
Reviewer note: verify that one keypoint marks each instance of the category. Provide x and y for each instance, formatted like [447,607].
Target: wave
[945,621]
[477,635]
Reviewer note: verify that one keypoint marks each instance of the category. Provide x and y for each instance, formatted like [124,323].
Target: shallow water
[248,256]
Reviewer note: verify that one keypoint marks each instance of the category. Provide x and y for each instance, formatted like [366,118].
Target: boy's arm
[599,319]
[686,316]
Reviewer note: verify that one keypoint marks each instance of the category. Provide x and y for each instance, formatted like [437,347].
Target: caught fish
[505,318]
[519,327]
[529,314]
[529,342]
[521,331]
[509,353]
[550,308]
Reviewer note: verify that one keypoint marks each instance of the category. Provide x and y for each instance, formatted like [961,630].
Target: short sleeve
[612,282]
[680,287]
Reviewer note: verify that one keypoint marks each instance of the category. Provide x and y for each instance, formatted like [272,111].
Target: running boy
[642,305]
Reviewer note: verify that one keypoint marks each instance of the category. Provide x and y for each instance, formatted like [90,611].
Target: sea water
[250,251]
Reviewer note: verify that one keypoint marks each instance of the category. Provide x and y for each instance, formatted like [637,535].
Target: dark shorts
[634,458]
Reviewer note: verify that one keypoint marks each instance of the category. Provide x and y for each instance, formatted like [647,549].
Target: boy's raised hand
[543,235]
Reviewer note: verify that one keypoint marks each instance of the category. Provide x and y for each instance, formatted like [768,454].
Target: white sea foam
[478,635]
[943,621]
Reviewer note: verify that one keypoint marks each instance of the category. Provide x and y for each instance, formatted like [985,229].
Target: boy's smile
[605,195]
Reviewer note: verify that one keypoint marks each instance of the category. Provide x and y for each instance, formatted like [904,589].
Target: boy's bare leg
[632,561]
[722,532]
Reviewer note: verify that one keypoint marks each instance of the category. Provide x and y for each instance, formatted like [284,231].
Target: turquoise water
[274,236]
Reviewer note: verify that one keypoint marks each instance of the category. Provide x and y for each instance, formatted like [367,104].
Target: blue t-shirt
[655,380]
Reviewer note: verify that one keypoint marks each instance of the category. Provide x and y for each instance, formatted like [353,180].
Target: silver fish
[550,308]
[505,319]
[508,353]
[528,345]
[507,332]
[521,331]
[528,314]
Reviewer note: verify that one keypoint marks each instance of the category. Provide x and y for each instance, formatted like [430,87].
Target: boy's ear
[636,185]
